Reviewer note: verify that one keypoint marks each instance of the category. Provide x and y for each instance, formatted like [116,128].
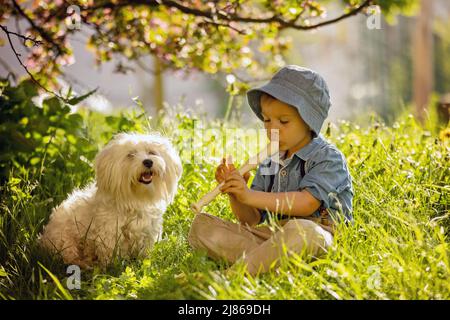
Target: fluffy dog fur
[120,214]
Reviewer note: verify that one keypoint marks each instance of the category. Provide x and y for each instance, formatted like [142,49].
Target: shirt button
[283,173]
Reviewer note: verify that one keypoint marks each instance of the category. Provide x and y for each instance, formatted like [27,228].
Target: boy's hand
[236,186]
[225,168]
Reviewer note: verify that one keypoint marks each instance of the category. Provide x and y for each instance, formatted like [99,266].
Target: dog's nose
[148,163]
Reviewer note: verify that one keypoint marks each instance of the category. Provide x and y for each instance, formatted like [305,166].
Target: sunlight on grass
[397,248]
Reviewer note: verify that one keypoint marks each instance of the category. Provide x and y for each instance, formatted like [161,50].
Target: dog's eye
[152,153]
[130,155]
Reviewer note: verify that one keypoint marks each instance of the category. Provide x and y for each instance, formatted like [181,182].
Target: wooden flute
[271,149]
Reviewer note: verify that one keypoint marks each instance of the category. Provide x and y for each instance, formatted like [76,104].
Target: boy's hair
[267,96]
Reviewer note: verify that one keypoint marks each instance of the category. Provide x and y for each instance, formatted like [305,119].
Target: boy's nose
[275,128]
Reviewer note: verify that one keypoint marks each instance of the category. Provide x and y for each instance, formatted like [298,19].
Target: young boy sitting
[308,192]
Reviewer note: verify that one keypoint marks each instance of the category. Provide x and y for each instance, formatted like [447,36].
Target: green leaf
[76,119]
[34,161]
[78,99]
[29,87]
[3,273]
[51,106]
[58,284]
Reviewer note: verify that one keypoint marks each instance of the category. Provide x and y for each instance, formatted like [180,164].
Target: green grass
[398,247]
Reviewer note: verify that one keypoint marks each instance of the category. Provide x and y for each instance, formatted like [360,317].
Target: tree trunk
[423,59]
[158,86]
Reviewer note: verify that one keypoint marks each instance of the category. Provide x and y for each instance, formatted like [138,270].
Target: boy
[309,190]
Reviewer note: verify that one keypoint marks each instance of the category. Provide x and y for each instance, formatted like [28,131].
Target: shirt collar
[306,152]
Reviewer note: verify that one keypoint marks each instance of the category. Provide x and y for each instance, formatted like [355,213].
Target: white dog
[121,213]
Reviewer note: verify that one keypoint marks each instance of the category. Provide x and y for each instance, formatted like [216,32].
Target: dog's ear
[178,168]
[174,170]
[103,169]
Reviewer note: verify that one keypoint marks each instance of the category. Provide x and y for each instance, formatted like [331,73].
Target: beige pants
[259,247]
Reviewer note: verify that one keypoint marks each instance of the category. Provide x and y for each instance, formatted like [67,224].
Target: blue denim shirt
[326,177]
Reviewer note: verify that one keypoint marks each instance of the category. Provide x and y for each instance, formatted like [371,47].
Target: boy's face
[294,133]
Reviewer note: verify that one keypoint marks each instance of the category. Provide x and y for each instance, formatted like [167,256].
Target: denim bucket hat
[299,87]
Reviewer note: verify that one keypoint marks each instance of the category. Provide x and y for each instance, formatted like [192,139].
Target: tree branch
[225,24]
[21,36]
[342,17]
[41,31]
[214,15]
[8,35]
